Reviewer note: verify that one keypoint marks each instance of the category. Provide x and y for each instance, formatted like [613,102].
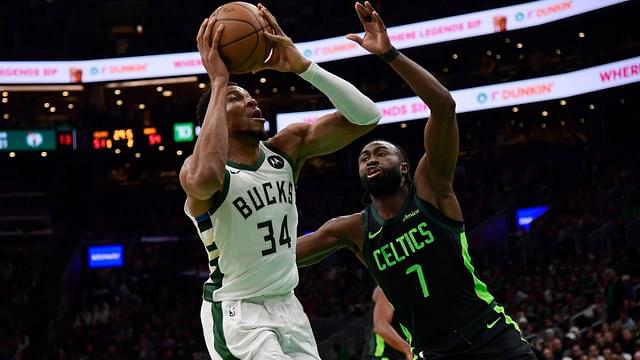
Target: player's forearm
[391,337]
[424,84]
[312,259]
[350,102]
[210,151]
[309,250]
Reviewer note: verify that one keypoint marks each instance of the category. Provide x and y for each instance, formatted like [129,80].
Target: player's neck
[388,206]
[244,150]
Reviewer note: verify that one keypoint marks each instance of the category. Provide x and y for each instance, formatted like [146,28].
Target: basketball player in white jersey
[241,197]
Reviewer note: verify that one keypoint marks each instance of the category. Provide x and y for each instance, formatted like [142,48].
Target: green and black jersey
[420,260]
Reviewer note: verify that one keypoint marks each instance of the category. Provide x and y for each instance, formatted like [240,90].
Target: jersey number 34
[285,239]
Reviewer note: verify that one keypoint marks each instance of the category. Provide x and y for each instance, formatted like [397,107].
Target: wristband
[390,55]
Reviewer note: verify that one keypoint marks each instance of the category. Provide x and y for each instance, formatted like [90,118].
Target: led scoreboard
[126,138]
[27,140]
[67,140]
[152,135]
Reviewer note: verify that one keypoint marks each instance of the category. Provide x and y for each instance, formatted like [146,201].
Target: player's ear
[404,168]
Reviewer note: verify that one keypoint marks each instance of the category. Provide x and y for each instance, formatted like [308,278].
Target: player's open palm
[375,39]
[285,56]
[208,40]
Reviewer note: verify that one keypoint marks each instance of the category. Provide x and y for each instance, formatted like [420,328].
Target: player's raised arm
[356,115]
[434,173]
[203,172]
[337,233]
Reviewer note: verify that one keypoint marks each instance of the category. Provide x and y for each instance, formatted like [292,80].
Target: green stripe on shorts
[379,345]
[219,341]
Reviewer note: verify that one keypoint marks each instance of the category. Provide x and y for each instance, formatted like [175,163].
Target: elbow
[378,329]
[451,104]
[211,176]
[204,183]
[446,106]
[369,116]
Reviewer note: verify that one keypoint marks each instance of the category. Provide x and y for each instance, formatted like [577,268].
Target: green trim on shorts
[379,351]
[219,342]
[500,310]
[407,334]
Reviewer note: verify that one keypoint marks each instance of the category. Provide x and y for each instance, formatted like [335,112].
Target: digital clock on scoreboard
[126,138]
[119,138]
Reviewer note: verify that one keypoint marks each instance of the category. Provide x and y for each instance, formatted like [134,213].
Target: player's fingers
[217,35]
[276,38]
[363,15]
[377,19]
[208,31]
[369,7]
[356,38]
[271,20]
[203,26]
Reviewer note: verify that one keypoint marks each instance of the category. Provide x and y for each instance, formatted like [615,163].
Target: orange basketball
[243,45]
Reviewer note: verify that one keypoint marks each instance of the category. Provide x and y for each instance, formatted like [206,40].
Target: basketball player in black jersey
[385,341]
[412,236]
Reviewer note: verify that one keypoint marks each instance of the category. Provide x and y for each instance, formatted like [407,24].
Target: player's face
[381,168]
[243,114]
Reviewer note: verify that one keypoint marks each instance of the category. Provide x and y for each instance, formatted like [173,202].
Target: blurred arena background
[550,187]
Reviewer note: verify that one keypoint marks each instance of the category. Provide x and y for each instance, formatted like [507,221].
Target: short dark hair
[203,103]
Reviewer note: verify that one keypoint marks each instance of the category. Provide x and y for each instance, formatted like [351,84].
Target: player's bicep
[330,133]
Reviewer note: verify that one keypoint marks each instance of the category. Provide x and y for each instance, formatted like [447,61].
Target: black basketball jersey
[420,260]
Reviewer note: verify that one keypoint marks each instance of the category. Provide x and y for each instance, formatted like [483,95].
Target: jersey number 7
[423,284]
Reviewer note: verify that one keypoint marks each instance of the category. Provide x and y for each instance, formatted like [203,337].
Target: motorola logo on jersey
[276,161]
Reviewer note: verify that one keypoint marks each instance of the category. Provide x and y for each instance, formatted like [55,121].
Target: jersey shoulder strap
[435,215]
[276,150]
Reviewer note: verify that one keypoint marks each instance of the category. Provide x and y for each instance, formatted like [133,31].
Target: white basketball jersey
[250,233]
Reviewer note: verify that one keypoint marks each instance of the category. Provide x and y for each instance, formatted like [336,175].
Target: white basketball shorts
[258,328]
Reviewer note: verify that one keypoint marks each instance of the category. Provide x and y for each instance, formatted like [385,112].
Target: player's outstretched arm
[202,173]
[356,115]
[382,317]
[337,233]
[434,174]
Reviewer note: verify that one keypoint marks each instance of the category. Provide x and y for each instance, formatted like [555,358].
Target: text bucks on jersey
[250,232]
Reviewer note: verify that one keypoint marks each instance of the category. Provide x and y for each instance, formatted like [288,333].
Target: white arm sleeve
[350,102]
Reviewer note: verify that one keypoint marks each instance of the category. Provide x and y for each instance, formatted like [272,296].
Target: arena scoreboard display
[70,139]
[27,140]
[126,138]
